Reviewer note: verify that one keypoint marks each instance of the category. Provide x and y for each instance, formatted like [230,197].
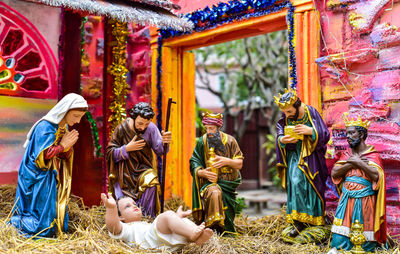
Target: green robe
[228,187]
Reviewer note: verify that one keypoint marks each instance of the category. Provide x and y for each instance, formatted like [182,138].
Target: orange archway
[178,78]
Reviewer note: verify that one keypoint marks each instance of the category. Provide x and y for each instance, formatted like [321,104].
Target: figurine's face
[291,112]
[73,117]
[129,210]
[353,136]
[141,124]
[211,129]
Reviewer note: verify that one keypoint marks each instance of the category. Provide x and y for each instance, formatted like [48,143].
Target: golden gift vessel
[211,161]
[289,130]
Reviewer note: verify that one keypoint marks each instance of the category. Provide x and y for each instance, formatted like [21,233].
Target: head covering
[353,122]
[213,119]
[287,99]
[57,113]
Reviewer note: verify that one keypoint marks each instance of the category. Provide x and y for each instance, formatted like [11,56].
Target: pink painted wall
[35,13]
[360,73]
[192,5]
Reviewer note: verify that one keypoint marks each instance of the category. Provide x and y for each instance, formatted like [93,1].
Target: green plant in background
[240,205]
[249,72]
[270,147]
[199,126]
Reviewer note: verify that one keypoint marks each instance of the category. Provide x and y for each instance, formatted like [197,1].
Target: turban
[213,119]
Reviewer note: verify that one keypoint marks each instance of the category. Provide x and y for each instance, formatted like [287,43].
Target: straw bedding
[87,234]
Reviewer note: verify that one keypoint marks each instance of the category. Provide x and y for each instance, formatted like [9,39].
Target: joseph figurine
[130,158]
[215,165]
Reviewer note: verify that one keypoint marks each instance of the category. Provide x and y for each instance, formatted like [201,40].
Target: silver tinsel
[160,3]
[139,14]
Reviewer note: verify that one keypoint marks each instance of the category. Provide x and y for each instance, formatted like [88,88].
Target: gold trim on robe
[64,187]
[149,179]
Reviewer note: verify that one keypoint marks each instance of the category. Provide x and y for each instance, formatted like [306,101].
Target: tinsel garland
[95,132]
[224,13]
[159,102]
[84,21]
[292,53]
[140,14]
[93,125]
[118,70]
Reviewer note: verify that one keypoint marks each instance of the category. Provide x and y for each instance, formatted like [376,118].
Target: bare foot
[197,232]
[204,237]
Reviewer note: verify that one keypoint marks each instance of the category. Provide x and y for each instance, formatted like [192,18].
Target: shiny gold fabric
[64,167]
[211,195]
[147,180]
[304,217]
[213,206]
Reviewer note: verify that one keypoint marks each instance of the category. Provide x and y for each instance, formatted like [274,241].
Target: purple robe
[311,162]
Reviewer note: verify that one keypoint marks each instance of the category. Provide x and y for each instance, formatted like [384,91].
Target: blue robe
[37,199]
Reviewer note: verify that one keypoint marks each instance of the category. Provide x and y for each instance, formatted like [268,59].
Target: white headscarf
[57,113]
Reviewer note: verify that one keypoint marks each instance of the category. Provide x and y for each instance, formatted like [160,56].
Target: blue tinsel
[223,13]
[159,102]
[292,53]
[233,11]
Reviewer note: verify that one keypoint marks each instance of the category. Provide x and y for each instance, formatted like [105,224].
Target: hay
[87,234]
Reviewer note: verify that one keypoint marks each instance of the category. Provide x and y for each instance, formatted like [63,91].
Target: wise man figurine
[359,173]
[215,165]
[301,146]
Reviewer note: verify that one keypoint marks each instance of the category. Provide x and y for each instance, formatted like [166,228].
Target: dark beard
[353,143]
[295,115]
[216,141]
[138,132]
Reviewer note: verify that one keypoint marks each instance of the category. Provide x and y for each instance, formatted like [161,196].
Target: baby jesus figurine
[169,231]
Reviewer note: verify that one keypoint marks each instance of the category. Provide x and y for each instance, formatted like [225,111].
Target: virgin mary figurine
[44,177]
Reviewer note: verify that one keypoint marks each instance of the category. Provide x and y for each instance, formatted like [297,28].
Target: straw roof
[143,12]
[87,234]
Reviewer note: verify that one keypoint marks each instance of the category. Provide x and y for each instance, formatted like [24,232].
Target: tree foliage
[250,71]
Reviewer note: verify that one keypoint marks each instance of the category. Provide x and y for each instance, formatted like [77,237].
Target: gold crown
[352,122]
[289,103]
[210,115]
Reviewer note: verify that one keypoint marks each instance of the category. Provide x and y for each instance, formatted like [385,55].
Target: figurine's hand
[166,137]
[220,161]
[288,140]
[108,201]
[182,213]
[206,173]
[354,159]
[135,145]
[303,129]
[69,139]
[365,160]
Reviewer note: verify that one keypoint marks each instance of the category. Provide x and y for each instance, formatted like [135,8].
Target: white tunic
[145,235]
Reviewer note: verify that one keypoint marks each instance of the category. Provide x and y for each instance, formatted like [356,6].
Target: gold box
[289,130]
